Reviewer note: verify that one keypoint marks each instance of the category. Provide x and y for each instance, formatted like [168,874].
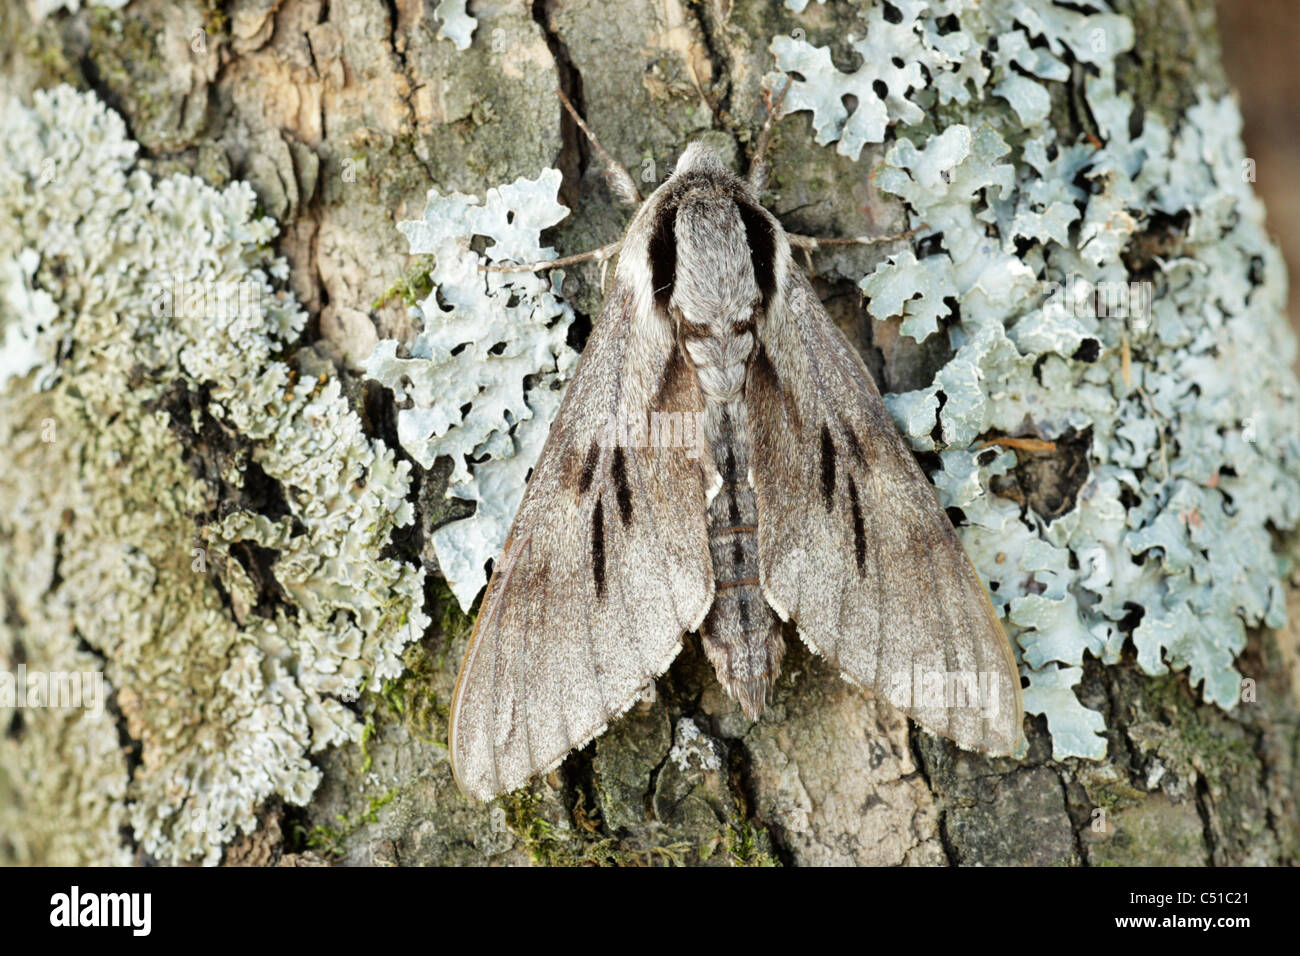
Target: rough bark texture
[342,114]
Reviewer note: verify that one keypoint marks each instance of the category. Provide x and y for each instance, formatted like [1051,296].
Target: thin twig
[812,242]
[1160,433]
[619,178]
[1022,444]
[809,243]
[695,81]
[599,255]
[756,165]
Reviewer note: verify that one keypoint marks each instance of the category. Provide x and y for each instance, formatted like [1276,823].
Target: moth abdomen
[741,634]
[742,639]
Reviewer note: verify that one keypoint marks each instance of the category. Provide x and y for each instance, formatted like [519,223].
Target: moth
[804,505]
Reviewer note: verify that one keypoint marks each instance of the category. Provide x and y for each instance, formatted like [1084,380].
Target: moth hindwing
[782,492]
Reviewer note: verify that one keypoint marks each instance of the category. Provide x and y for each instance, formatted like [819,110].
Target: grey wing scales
[854,546]
[606,566]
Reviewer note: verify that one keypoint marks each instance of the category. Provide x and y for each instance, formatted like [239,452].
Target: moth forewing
[605,567]
[854,546]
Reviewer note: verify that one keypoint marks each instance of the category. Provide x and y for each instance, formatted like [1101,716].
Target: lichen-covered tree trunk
[226,521]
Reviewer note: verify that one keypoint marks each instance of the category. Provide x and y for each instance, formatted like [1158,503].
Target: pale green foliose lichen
[185,509]
[1176,361]
[457,25]
[482,380]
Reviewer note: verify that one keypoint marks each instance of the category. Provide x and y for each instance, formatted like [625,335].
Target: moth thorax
[714,287]
[719,383]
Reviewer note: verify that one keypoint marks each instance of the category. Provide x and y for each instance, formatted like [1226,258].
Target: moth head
[703,246]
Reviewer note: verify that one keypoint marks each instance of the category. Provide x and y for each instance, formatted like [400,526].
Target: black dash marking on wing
[765,370]
[618,470]
[589,468]
[663,254]
[828,467]
[598,547]
[855,446]
[670,379]
[859,534]
[762,248]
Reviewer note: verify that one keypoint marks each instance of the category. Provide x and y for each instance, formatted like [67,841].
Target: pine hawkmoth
[805,505]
